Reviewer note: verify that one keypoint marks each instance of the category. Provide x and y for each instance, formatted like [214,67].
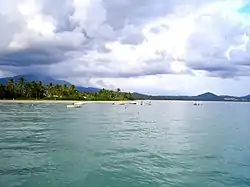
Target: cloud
[110,39]
[61,11]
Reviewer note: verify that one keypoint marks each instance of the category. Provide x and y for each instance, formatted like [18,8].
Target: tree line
[22,89]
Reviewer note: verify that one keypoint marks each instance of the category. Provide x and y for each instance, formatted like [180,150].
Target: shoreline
[58,101]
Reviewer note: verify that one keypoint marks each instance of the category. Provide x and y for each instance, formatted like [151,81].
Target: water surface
[168,144]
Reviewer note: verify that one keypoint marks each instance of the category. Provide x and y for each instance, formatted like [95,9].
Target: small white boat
[133,103]
[78,103]
[118,103]
[73,106]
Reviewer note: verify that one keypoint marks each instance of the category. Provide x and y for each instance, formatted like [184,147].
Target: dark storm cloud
[230,73]
[32,56]
[219,66]
[28,57]
[125,12]
[138,12]
[220,70]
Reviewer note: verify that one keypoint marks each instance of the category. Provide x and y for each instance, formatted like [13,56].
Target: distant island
[31,86]
[20,89]
[202,97]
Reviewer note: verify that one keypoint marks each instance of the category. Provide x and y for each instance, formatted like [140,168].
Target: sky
[160,47]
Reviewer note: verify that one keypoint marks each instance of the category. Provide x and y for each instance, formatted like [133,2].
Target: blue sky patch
[245,9]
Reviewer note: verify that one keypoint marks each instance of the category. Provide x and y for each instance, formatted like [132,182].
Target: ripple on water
[166,144]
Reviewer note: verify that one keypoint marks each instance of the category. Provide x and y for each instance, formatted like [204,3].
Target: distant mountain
[139,96]
[31,77]
[202,97]
[246,97]
[46,80]
[208,95]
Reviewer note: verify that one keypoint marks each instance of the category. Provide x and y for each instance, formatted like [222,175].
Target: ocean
[167,144]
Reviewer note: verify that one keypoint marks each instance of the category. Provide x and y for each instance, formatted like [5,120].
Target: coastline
[58,101]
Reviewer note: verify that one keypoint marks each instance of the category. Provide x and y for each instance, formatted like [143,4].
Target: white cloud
[152,46]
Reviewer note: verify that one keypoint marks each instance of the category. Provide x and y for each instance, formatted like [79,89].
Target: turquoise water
[172,144]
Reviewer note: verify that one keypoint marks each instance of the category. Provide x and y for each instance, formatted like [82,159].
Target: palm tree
[72,90]
[10,83]
[50,91]
[2,91]
[40,90]
[20,86]
[33,89]
[65,90]
[11,87]
[27,90]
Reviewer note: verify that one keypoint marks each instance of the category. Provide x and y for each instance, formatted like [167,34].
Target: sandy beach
[57,101]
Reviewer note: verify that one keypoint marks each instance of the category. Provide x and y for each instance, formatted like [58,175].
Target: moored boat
[73,106]
[133,103]
[78,103]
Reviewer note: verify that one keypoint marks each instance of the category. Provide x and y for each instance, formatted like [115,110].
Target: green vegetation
[37,90]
